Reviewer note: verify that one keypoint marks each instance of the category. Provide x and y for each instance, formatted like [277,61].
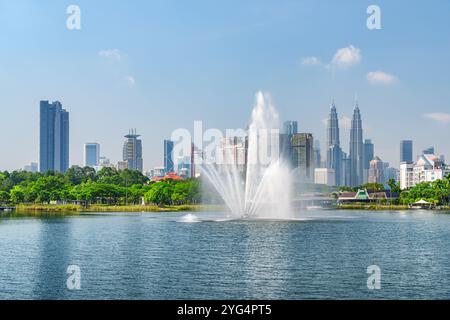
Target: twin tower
[348,168]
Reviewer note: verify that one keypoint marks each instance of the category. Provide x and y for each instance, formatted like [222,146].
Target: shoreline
[59,209]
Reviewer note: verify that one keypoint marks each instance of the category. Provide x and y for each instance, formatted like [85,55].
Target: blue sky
[160,65]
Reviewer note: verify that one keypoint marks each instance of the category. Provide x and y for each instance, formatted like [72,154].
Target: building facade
[356,148]
[406,151]
[168,156]
[132,151]
[334,151]
[303,156]
[91,154]
[427,168]
[324,176]
[53,137]
[367,157]
[376,171]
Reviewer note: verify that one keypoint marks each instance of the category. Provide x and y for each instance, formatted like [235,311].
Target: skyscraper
[356,148]
[132,151]
[334,151]
[303,156]
[168,156]
[406,151]
[290,127]
[376,171]
[367,157]
[91,154]
[53,137]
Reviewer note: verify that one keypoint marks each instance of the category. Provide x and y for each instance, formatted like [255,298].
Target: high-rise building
[290,127]
[132,151]
[53,137]
[317,155]
[406,151]
[356,148]
[168,156]
[91,154]
[324,176]
[346,169]
[303,156]
[367,157]
[376,171]
[334,151]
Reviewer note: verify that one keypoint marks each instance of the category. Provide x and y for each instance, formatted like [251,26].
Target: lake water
[321,254]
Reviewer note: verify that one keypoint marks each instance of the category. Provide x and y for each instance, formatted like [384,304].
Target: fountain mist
[263,190]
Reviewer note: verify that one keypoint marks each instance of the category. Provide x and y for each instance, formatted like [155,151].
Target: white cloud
[439,117]
[346,57]
[130,80]
[310,61]
[380,77]
[114,54]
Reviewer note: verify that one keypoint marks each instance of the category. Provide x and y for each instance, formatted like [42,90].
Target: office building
[303,156]
[53,137]
[168,156]
[356,148]
[376,171]
[132,151]
[367,157]
[406,151]
[334,151]
[91,154]
[324,176]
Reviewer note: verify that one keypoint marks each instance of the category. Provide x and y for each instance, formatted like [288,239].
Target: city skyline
[113,80]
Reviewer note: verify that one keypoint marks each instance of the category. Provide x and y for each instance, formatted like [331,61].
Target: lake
[321,254]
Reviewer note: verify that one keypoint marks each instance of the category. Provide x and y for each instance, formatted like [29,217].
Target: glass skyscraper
[290,128]
[53,137]
[406,151]
[356,149]
[334,151]
[91,154]
[168,156]
[303,156]
[367,157]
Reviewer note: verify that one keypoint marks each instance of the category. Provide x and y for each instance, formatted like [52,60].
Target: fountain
[262,189]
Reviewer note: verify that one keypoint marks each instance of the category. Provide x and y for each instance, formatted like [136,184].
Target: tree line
[84,185]
[437,192]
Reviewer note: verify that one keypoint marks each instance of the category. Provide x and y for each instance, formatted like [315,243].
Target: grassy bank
[372,206]
[68,209]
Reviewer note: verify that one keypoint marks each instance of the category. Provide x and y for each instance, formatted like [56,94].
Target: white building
[325,176]
[427,168]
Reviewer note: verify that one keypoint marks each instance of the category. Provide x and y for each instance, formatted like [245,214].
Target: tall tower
[367,157]
[168,156]
[334,151]
[356,148]
[53,137]
[132,151]
[303,156]
[406,151]
[91,154]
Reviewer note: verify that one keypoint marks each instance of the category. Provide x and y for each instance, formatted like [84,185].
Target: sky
[160,65]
